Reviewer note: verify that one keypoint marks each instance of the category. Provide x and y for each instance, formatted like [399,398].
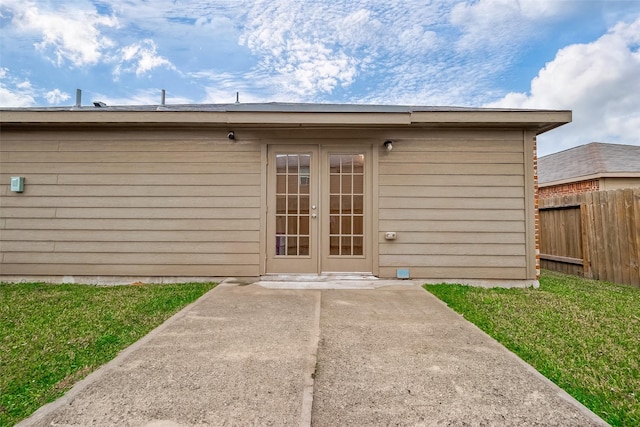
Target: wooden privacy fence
[595,235]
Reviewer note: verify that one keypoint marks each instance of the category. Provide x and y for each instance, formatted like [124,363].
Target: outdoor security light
[388,145]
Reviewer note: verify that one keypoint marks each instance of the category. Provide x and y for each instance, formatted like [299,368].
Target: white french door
[318,209]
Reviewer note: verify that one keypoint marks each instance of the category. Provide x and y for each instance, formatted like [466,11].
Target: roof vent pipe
[78,97]
[163,97]
[237,97]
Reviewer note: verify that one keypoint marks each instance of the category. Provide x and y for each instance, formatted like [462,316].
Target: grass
[584,335]
[51,336]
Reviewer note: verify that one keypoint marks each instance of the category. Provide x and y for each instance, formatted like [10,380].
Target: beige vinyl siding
[130,202]
[456,199]
[614,183]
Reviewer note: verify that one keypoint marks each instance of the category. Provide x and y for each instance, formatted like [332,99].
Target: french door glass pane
[304,205]
[358,245]
[304,225]
[292,204]
[346,204]
[346,183]
[358,204]
[303,246]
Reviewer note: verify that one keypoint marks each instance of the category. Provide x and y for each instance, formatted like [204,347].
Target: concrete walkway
[253,355]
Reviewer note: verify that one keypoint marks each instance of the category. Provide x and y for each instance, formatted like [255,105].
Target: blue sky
[581,55]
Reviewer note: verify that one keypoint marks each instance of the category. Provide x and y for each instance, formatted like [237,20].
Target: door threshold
[329,281]
[322,277]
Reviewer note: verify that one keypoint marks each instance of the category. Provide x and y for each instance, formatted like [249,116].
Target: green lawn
[54,335]
[584,335]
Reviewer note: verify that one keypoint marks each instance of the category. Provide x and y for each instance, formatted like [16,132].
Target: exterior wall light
[231,135]
[388,145]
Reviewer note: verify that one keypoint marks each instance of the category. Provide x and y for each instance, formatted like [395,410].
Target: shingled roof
[274,107]
[589,161]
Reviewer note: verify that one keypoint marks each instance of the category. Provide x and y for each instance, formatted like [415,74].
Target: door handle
[314,215]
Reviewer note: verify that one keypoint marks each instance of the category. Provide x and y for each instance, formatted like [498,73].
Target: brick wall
[536,202]
[569,188]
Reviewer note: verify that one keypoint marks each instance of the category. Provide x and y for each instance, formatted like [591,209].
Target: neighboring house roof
[277,114]
[589,161]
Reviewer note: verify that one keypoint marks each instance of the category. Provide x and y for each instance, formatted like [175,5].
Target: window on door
[292,204]
[346,204]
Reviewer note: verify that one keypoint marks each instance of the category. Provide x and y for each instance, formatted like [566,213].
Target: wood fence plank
[590,230]
[553,245]
[563,259]
[565,233]
[607,247]
[544,227]
[613,248]
[564,240]
[600,246]
[623,237]
[577,233]
[632,199]
[584,239]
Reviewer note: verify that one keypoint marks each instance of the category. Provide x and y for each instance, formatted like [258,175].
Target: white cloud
[356,27]
[15,92]
[56,96]
[311,49]
[314,67]
[303,60]
[141,58]
[9,98]
[70,32]
[20,92]
[437,52]
[491,23]
[599,81]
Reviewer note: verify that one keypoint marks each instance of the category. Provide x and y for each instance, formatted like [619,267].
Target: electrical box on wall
[17,184]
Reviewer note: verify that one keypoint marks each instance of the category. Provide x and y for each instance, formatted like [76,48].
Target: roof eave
[539,120]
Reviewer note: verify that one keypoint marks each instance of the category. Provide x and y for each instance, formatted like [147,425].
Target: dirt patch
[68,381]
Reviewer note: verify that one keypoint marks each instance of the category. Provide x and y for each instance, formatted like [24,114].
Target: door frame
[267,220]
[341,264]
[298,264]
